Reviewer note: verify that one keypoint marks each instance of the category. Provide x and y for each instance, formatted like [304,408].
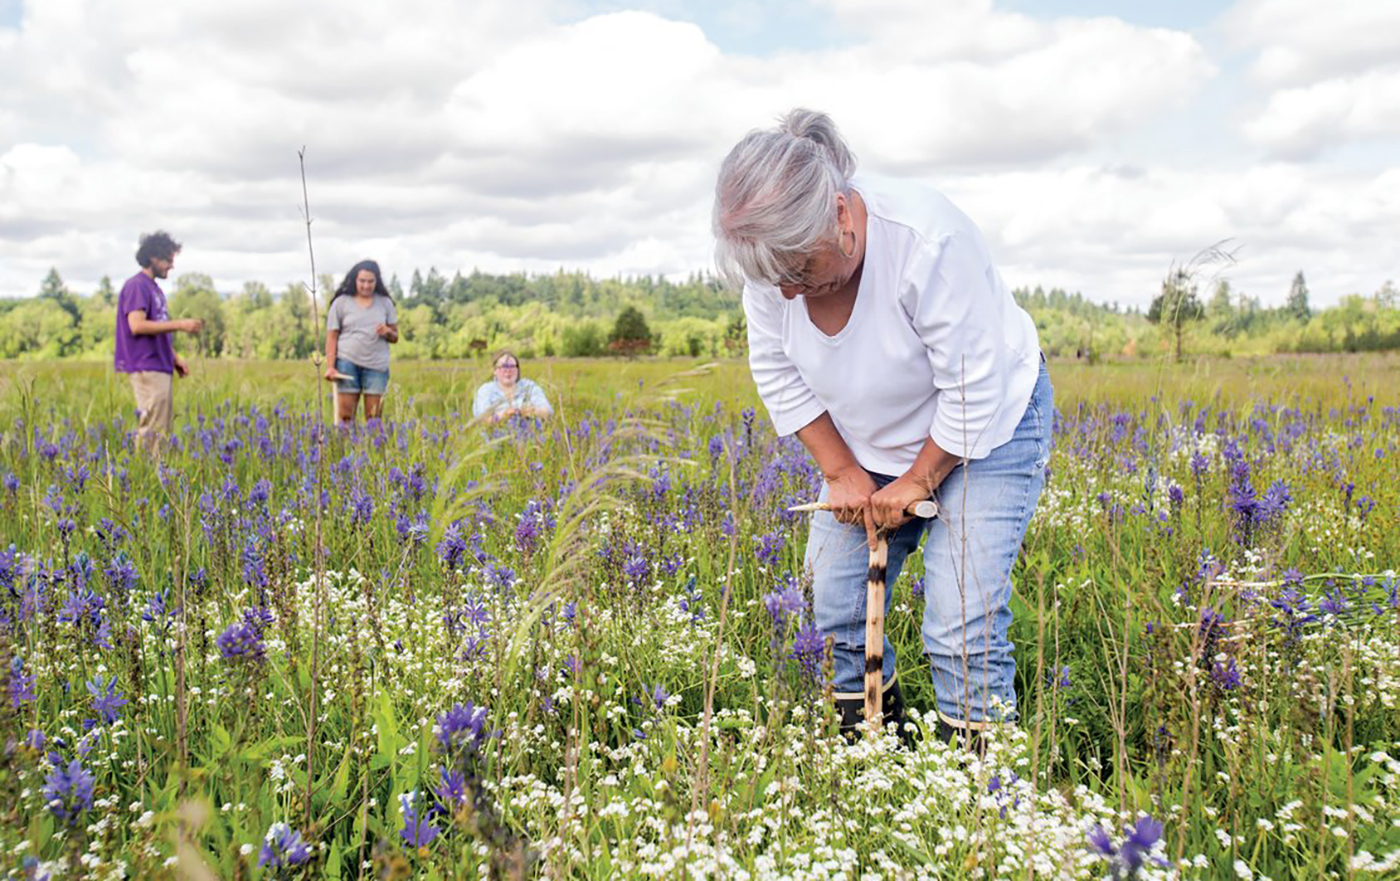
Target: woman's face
[822,273]
[365,283]
[507,370]
[826,270]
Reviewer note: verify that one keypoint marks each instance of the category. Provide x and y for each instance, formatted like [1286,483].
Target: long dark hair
[347,286]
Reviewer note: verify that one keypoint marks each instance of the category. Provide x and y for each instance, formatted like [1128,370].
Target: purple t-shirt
[148,351]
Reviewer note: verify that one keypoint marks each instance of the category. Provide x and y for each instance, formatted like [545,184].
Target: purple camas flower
[240,642]
[451,790]
[258,496]
[808,646]
[120,574]
[361,507]
[1128,858]
[635,568]
[106,700]
[527,533]
[11,483]
[21,683]
[1226,674]
[283,848]
[68,790]
[259,618]
[461,728]
[158,611]
[785,603]
[452,546]
[769,547]
[1333,602]
[658,696]
[417,831]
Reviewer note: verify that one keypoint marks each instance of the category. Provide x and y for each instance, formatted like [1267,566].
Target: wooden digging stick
[927,509]
[875,633]
[875,610]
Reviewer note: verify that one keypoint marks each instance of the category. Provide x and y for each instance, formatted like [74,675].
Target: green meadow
[433,648]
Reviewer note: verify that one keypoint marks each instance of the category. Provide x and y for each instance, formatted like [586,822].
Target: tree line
[568,314]
[571,314]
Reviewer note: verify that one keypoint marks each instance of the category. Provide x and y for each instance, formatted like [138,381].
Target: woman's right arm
[479,405]
[332,338]
[795,409]
[849,486]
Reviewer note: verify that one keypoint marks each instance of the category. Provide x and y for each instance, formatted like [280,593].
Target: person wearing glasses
[882,335]
[507,394]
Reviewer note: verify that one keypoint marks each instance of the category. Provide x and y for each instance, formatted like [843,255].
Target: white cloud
[504,137]
[1331,72]
[1303,41]
[1301,122]
[1113,235]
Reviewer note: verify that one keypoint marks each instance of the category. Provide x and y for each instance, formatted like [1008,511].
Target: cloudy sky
[1095,142]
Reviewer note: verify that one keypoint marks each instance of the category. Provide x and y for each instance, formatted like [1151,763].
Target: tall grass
[546,649]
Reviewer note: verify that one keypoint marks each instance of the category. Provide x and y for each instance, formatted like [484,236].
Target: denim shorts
[985,506]
[362,379]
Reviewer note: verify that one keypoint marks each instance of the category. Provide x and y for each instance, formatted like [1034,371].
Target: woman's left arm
[930,467]
[389,330]
[959,307]
[536,404]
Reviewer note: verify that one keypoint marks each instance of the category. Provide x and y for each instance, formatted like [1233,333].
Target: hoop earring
[842,244]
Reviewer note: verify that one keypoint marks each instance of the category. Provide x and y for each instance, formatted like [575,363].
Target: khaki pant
[155,399]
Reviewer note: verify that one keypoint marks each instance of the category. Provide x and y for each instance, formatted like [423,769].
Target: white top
[358,343]
[935,346]
[491,398]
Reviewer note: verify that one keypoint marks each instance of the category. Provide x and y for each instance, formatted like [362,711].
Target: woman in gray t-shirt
[361,323]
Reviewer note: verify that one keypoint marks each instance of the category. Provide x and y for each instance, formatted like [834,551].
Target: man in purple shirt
[144,350]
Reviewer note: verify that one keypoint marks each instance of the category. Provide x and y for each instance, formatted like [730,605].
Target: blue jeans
[362,379]
[985,506]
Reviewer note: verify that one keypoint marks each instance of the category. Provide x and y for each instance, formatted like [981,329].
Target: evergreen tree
[1297,304]
[1176,306]
[105,292]
[53,288]
[630,335]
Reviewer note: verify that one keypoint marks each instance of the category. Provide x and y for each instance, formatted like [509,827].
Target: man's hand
[192,325]
[848,494]
[181,368]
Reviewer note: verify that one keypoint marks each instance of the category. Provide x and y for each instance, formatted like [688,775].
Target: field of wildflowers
[425,648]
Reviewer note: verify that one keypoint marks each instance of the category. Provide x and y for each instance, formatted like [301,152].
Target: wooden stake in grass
[875,609]
[875,632]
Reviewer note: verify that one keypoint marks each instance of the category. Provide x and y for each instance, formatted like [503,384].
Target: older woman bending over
[881,334]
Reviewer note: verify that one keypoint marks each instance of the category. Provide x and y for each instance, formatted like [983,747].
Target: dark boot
[852,714]
[965,738]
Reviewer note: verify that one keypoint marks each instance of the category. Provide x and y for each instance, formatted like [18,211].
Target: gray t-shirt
[358,343]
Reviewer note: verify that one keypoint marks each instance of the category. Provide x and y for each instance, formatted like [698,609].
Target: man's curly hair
[156,244]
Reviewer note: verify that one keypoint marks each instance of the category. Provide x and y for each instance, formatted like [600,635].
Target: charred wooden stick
[875,633]
[875,609]
[927,508]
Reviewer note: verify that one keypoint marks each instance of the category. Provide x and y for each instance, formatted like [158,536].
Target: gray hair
[775,199]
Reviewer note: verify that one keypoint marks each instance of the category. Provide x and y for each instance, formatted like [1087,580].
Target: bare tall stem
[317,554]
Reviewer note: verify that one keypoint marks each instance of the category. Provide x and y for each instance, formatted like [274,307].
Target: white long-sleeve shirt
[935,346]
